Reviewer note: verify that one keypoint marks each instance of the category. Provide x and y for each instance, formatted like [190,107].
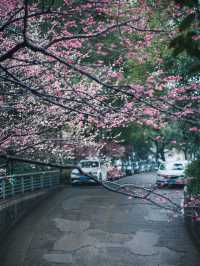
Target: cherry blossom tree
[62,65]
[57,60]
[66,66]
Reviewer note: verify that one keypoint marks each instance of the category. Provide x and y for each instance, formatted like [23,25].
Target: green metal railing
[19,184]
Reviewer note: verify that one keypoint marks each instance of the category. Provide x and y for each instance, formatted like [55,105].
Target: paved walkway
[90,226]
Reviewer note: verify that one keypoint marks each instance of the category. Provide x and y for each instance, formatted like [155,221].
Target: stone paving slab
[88,226]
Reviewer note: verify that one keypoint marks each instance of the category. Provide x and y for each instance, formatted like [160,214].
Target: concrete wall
[11,211]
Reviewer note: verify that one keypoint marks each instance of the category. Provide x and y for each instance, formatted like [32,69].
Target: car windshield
[171,166]
[178,166]
[89,164]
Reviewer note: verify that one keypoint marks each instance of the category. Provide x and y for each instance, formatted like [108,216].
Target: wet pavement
[88,226]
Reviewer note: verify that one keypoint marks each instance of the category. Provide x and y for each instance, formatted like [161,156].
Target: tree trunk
[162,152]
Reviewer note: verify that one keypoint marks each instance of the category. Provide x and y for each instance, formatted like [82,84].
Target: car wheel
[159,185]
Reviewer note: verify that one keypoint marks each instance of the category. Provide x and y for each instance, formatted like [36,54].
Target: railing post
[22,184]
[3,189]
[51,181]
[59,177]
[48,180]
[12,186]
[41,182]
[32,184]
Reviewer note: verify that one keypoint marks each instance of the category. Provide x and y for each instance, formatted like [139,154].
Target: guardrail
[19,184]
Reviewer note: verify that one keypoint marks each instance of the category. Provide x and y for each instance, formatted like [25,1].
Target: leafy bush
[193,169]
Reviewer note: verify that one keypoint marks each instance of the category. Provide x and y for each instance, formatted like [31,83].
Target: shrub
[193,169]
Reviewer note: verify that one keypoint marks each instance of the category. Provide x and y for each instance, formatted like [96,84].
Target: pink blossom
[196,38]
[150,111]
[117,75]
[196,218]
[1,100]
[158,138]
[173,142]
[194,129]
[149,122]
[172,78]
[74,43]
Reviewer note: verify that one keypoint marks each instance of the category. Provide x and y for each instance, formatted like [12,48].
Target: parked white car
[93,167]
[171,173]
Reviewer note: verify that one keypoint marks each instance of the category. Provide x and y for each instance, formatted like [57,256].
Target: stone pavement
[88,226]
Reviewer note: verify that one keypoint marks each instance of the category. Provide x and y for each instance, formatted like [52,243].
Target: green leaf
[188,3]
[177,42]
[194,69]
[178,50]
[193,51]
[186,22]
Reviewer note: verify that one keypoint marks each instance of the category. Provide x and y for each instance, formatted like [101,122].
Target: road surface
[88,226]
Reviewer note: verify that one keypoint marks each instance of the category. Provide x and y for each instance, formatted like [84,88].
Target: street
[88,226]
